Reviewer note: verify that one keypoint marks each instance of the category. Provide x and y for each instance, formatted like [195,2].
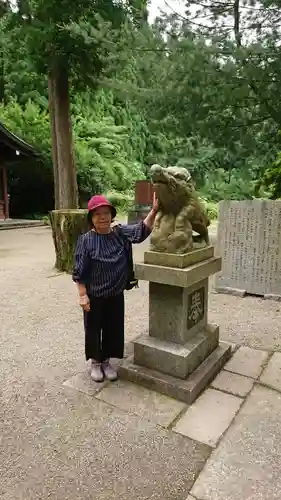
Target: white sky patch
[168,6]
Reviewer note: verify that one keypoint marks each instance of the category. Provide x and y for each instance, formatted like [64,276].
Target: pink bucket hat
[100,201]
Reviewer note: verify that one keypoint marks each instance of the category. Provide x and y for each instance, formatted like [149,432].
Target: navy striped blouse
[101,262]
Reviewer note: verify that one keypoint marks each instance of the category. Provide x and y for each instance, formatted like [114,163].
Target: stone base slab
[242,293]
[175,359]
[179,260]
[272,296]
[230,291]
[176,276]
[183,390]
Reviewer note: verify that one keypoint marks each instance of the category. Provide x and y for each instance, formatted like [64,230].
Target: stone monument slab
[249,242]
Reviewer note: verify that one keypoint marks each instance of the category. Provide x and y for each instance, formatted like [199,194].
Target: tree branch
[252,84]
[236,13]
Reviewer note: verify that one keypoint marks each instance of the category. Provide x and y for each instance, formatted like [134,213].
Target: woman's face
[101,219]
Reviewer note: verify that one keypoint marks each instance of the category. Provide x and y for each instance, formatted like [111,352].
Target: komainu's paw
[180,242]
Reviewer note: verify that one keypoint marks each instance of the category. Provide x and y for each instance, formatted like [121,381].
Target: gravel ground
[41,346]
[32,294]
[55,442]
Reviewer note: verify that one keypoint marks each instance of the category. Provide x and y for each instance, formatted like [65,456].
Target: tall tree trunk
[54,140]
[236,14]
[63,153]
[66,224]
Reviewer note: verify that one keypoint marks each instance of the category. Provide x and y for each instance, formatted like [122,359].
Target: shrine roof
[12,146]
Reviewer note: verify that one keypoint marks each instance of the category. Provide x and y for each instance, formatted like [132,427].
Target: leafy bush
[104,154]
[46,220]
[221,185]
[121,201]
[270,183]
[211,208]
[103,143]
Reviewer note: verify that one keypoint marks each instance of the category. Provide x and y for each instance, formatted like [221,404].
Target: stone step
[19,224]
[183,390]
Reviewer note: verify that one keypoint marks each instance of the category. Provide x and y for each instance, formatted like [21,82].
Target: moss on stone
[67,225]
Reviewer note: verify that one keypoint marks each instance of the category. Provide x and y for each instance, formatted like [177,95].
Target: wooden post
[5,193]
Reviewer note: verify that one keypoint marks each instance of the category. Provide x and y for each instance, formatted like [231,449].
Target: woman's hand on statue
[84,302]
[149,220]
[155,204]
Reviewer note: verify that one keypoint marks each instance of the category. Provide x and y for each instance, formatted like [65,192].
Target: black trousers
[104,328]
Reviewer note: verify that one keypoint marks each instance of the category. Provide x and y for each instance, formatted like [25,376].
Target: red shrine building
[12,148]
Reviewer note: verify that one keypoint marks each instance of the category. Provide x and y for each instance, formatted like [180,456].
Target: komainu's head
[172,186]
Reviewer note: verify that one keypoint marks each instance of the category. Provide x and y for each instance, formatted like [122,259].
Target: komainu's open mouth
[160,181]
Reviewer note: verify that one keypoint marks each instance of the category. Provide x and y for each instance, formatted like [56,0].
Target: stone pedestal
[181,354]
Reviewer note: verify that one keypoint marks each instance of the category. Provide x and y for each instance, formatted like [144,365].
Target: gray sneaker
[109,371]
[96,372]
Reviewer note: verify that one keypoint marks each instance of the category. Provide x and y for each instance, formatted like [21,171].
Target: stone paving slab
[238,385]
[83,449]
[209,417]
[82,382]
[246,464]
[248,362]
[234,347]
[272,373]
[155,407]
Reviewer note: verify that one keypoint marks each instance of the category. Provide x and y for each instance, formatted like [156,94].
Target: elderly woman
[101,273]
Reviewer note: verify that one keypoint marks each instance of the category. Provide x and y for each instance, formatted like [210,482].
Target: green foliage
[271,180]
[31,122]
[211,208]
[31,180]
[235,185]
[105,157]
[46,220]
[121,201]
[69,33]
[213,100]
[181,92]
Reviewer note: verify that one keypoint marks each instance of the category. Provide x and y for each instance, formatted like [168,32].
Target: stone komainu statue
[180,212]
